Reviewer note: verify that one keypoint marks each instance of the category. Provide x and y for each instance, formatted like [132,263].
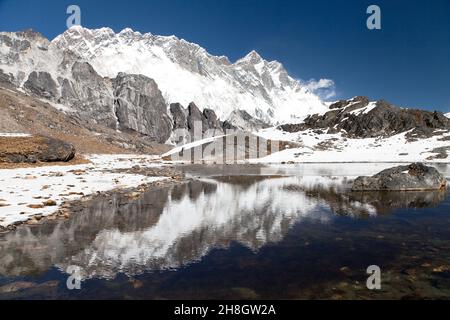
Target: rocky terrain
[362,130]
[23,113]
[137,92]
[125,102]
[361,118]
[33,149]
[413,177]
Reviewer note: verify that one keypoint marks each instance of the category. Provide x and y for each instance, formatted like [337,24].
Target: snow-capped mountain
[186,72]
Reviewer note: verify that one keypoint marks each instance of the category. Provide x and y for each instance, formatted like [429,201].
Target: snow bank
[14,134]
[33,186]
[314,148]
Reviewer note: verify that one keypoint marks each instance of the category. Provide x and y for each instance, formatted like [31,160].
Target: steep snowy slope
[186,72]
[22,53]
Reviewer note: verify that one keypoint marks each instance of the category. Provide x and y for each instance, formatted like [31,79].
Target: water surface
[240,232]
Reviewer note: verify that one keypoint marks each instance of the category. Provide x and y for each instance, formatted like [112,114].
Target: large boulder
[413,177]
[33,149]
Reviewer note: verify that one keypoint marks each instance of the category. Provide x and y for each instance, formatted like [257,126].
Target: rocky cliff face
[139,106]
[126,102]
[185,120]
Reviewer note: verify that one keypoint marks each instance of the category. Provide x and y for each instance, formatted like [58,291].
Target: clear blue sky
[406,63]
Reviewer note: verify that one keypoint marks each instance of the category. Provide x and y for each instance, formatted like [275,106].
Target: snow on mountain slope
[447,115]
[22,53]
[186,72]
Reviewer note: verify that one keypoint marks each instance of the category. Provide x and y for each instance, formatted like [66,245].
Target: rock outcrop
[185,120]
[413,177]
[360,118]
[33,149]
[41,84]
[140,106]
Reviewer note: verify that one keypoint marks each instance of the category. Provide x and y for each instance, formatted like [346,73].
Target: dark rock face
[238,120]
[6,78]
[210,120]
[89,95]
[187,118]
[57,150]
[140,106]
[33,149]
[413,177]
[227,125]
[194,116]
[356,103]
[42,84]
[358,119]
[178,115]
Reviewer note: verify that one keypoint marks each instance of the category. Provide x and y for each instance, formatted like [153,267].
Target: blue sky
[407,62]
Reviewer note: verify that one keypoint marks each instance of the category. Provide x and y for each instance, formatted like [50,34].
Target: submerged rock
[413,177]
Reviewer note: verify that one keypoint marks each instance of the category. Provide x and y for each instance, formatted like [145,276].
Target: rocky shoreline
[33,194]
[68,208]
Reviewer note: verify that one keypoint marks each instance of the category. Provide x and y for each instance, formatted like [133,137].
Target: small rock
[35,206]
[441,269]
[49,203]
[134,195]
[16,286]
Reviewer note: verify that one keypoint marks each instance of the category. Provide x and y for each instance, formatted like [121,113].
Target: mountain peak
[186,72]
[252,57]
[129,31]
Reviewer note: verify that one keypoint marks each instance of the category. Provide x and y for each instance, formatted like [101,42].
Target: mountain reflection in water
[173,227]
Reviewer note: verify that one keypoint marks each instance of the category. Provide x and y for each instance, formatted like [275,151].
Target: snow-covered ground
[334,148]
[14,134]
[22,187]
[391,149]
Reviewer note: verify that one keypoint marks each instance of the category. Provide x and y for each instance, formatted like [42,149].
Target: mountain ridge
[186,72]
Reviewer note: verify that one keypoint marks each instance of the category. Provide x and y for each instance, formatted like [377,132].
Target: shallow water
[241,232]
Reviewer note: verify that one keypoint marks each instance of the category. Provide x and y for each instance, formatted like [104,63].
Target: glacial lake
[240,232]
